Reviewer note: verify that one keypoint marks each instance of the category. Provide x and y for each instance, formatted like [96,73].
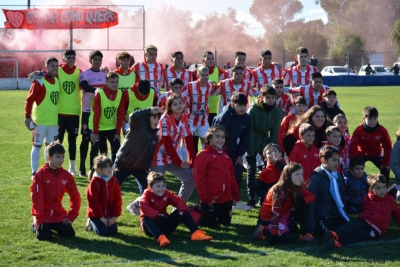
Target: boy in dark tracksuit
[355,185]
[327,210]
[373,221]
[237,124]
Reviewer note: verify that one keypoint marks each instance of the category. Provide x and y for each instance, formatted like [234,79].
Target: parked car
[376,70]
[336,70]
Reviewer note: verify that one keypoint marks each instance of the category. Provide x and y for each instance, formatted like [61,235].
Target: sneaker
[199,235]
[259,233]
[251,203]
[88,226]
[307,238]
[134,207]
[331,240]
[241,206]
[33,228]
[163,240]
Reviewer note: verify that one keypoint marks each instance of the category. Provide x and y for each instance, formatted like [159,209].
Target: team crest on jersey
[109,112]
[164,199]
[372,233]
[378,137]
[54,97]
[69,87]
[64,182]
[281,226]
[48,181]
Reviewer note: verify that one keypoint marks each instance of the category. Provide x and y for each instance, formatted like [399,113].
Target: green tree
[396,36]
[344,42]
[315,42]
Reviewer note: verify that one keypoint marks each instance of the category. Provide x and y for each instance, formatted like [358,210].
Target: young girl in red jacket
[215,180]
[373,221]
[286,202]
[104,198]
[155,220]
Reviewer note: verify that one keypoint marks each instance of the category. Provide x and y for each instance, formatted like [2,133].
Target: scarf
[334,190]
[370,129]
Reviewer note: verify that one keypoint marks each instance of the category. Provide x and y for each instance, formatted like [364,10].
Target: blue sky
[200,8]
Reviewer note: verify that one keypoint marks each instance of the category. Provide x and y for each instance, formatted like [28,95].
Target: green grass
[231,245]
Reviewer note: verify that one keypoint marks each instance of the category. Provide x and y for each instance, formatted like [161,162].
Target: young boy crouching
[155,220]
[374,219]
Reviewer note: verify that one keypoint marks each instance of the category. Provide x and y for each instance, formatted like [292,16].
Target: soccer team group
[295,138]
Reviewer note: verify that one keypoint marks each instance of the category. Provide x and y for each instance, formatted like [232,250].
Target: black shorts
[69,123]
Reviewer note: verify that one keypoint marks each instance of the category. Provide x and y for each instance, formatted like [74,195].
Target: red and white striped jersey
[154,73]
[169,127]
[295,77]
[162,100]
[262,76]
[170,73]
[312,97]
[198,101]
[247,74]
[284,103]
[226,87]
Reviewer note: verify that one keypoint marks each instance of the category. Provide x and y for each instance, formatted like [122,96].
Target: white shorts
[46,133]
[199,130]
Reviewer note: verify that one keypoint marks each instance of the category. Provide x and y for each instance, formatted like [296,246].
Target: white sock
[72,165]
[35,158]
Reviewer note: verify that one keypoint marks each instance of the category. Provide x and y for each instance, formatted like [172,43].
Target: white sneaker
[398,195]
[241,206]
[88,226]
[134,207]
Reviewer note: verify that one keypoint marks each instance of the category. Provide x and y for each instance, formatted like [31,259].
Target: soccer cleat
[88,226]
[307,238]
[134,207]
[163,240]
[331,240]
[199,235]
[241,206]
[259,233]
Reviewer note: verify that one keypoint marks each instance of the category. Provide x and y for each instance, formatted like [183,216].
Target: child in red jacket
[369,138]
[305,152]
[104,198]
[155,220]
[48,187]
[270,175]
[215,180]
[372,222]
[285,203]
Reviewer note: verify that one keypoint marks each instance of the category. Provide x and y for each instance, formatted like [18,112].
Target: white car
[336,70]
[376,70]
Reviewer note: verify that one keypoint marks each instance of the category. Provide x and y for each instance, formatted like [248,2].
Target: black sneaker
[251,203]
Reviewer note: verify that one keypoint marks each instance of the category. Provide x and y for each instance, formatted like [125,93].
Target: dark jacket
[324,205]
[331,112]
[140,142]
[355,190]
[236,126]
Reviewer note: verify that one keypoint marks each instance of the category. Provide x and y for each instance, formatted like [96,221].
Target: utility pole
[340,12]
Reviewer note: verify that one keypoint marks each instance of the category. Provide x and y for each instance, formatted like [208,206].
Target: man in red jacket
[369,138]
[47,191]
[373,221]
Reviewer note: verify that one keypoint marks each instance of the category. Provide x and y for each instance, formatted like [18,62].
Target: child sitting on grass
[104,198]
[270,175]
[48,187]
[155,220]
[372,222]
[215,180]
[327,211]
[286,201]
[355,185]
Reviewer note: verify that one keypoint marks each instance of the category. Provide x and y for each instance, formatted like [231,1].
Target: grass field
[232,246]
